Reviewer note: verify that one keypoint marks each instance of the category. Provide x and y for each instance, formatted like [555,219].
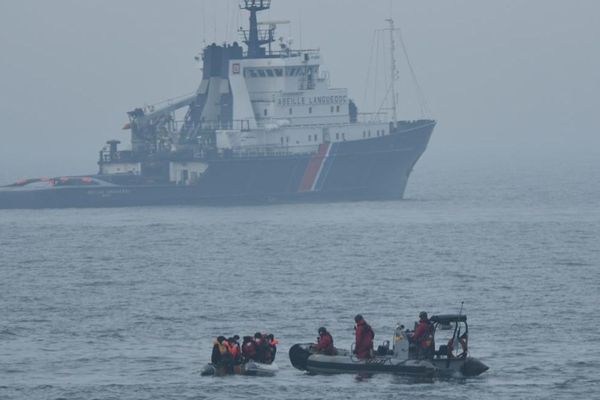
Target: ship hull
[370,169]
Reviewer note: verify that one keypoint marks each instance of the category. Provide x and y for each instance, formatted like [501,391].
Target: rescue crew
[324,343]
[363,347]
[422,337]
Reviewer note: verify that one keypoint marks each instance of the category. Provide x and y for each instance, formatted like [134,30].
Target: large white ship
[264,125]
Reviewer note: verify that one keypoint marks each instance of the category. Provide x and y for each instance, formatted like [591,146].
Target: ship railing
[378,117]
[288,53]
[273,150]
[208,126]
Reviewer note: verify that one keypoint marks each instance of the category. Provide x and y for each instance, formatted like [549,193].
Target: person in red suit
[423,336]
[364,338]
[324,343]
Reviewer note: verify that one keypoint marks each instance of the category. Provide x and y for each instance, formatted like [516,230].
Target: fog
[509,82]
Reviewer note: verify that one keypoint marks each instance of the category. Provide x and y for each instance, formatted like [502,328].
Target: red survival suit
[364,339]
[325,345]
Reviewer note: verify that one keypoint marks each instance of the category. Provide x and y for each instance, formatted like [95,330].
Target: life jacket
[426,340]
[222,347]
[235,351]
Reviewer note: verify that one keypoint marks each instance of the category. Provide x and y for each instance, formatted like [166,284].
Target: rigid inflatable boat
[403,357]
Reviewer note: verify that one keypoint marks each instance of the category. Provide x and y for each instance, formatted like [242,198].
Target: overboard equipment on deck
[400,360]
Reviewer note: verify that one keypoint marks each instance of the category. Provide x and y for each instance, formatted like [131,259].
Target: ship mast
[254,42]
[394,69]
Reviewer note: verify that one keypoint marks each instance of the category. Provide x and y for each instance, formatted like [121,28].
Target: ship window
[369,133]
[310,110]
[282,140]
[364,134]
[279,72]
[332,109]
[316,138]
[338,108]
[309,138]
[291,111]
[253,73]
[262,73]
[270,73]
[287,139]
[337,136]
[266,112]
[343,136]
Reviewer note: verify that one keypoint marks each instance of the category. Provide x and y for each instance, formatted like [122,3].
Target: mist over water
[124,302]
[502,212]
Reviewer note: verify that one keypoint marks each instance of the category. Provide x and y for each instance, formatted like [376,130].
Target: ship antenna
[394,70]
[254,42]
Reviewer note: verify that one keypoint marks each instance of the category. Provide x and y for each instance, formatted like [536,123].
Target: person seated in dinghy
[221,357]
[272,351]
[324,343]
[364,338]
[249,350]
[234,349]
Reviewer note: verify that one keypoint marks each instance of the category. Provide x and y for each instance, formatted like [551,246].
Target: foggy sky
[508,81]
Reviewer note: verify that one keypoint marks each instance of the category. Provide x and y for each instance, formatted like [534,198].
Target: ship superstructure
[264,123]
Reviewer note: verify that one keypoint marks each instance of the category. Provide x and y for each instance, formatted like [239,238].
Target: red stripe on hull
[312,170]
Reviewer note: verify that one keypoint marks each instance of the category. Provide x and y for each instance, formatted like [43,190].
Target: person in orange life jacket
[220,354]
[423,336]
[262,347]
[324,343]
[364,338]
[234,348]
[249,349]
[272,350]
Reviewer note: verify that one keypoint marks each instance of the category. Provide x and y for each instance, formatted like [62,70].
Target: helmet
[423,315]
[358,318]
[322,330]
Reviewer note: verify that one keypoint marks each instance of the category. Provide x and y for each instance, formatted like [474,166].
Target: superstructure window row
[279,72]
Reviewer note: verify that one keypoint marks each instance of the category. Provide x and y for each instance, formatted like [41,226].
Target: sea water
[125,303]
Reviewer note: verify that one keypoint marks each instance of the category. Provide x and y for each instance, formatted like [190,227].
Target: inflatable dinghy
[251,368]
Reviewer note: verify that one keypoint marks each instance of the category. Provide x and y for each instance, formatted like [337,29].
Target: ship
[264,126]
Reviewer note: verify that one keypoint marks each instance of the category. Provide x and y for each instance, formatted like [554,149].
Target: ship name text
[311,100]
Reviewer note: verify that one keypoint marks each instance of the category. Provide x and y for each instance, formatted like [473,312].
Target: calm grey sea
[124,303]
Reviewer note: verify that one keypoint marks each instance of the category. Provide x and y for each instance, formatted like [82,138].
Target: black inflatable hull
[303,359]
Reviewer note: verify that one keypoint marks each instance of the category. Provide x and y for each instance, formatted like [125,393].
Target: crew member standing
[423,336]
[364,338]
